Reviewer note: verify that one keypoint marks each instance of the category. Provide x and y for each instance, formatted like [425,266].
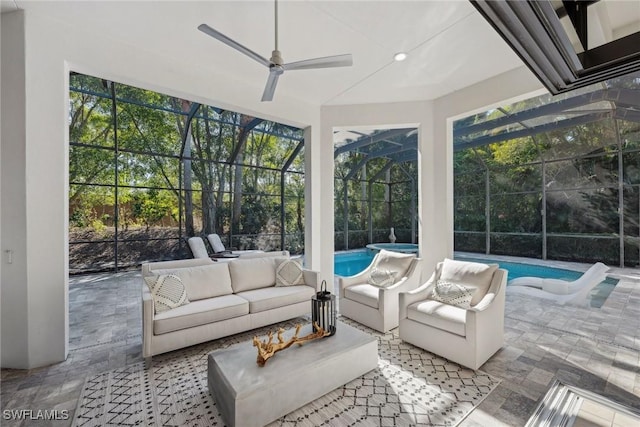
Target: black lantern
[323,309]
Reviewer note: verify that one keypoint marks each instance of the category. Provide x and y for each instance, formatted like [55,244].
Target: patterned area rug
[409,387]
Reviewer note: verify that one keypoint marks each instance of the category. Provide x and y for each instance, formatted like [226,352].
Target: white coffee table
[248,395]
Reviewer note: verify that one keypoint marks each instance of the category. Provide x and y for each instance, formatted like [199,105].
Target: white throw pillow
[167,292]
[472,274]
[453,294]
[389,267]
[289,272]
[381,277]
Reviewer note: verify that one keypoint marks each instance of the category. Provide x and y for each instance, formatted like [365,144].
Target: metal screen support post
[487,211]
[370,213]
[620,190]
[346,215]
[544,209]
[116,154]
[283,171]
[414,203]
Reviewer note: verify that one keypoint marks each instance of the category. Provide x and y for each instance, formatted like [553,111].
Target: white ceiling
[450,45]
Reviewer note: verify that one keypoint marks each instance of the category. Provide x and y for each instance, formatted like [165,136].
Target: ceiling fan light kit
[276,64]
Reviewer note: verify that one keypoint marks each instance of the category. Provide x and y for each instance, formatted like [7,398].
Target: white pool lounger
[560,291]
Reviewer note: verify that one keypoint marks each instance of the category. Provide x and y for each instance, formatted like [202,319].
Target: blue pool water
[353,262]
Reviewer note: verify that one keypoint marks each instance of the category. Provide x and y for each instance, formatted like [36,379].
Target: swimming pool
[353,262]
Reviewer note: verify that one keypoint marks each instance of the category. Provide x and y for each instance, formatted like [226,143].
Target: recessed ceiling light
[400,56]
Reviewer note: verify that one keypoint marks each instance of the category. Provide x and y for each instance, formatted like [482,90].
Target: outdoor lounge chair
[560,291]
[198,249]
[218,247]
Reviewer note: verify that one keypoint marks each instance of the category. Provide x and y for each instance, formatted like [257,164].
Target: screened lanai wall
[553,177]
[147,171]
[375,187]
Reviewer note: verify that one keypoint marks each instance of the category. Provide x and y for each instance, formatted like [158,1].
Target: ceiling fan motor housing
[276,58]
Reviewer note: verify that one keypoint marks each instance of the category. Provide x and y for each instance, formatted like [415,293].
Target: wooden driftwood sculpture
[267,349]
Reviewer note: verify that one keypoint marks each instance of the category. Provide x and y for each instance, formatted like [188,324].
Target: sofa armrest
[312,278]
[147,321]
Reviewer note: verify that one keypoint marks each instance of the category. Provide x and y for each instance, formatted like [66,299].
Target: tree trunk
[243,135]
[208,193]
[186,178]
[188,192]
[208,212]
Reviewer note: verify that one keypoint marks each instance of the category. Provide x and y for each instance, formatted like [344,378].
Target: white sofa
[225,298]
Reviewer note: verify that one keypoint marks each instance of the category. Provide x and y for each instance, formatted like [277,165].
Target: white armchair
[467,336]
[376,306]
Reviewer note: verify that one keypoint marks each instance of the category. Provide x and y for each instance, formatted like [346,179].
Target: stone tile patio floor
[595,349]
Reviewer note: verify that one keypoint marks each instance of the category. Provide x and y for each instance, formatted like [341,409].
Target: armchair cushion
[389,266]
[167,291]
[289,272]
[453,294]
[470,274]
[364,294]
[439,315]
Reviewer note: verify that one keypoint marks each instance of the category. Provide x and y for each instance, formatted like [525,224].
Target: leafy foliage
[568,177]
[169,175]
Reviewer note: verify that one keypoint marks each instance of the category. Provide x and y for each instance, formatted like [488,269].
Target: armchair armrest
[498,284]
[405,299]
[345,282]
[421,293]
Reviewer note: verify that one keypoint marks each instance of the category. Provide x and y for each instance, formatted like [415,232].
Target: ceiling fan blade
[234,44]
[270,87]
[324,62]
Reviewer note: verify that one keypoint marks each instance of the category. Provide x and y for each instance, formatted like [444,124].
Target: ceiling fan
[275,63]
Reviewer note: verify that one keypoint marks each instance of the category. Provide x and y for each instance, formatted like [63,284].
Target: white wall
[408,114]
[13,290]
[38,230]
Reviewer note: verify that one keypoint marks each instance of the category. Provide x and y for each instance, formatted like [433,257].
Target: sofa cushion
[274,297]
[388,267]
[471,274]
[206,281]
[289,272]
[453,294]
[167,291]
[364,294]
[200,312]
[252,273]
[439,315]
